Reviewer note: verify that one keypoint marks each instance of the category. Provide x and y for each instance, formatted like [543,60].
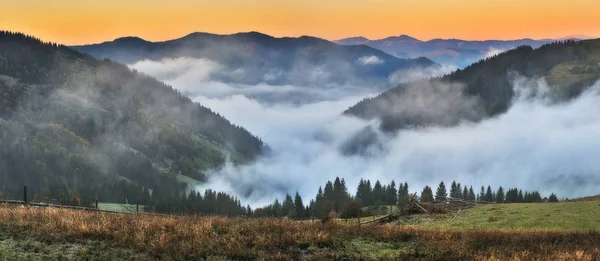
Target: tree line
[335,200]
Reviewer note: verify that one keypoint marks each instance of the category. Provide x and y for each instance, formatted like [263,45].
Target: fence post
[96,201]
[137,205]
[169,206]
[60,199]
[25,194]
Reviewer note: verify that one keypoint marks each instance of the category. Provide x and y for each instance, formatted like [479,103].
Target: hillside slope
[71,122]
[252,58]
[487,86]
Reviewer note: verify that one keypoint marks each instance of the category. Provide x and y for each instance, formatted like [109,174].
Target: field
[123,208]
[563,216]
[60,234]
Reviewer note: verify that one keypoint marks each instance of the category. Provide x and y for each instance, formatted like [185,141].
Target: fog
[535,145]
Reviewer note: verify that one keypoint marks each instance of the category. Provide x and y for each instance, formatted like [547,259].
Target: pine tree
[427,195]
[287,205]
[441,194]
[328,192]
[553,198]
[500,195]
[276,209]
[363,192]
[299,206]
[481,194]
[378,193]
[471,195]
[403,196]
[521,199]
[392,194]
[465,194]
[453,190]
[489,196]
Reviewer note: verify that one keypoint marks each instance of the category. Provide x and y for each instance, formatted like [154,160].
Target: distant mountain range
[251,58]
[485,88]
[459,53]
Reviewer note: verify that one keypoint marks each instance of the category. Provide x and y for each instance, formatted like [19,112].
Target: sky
[79,22]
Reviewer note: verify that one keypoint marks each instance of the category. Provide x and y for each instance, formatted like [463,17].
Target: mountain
[485,88]
[456,52]
[73,123]
[353,41]
[576,37]
[252,58]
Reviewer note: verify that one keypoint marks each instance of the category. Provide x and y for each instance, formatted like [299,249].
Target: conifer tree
[427,195]
[500,195]
[299,206]
[441,194]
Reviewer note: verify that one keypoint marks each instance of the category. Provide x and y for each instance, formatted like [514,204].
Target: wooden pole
[96,200]
[60,199]
[456,214]
[25,194]
[137,205]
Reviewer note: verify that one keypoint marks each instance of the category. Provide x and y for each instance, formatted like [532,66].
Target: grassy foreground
[60,234]
[563,216]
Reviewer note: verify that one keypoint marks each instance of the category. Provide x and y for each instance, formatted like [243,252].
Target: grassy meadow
[562,216]
[61,234]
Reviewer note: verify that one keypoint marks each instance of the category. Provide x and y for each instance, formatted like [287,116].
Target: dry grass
[190,238]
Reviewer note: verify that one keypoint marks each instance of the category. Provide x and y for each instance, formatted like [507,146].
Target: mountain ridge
[292,59]
[436,49]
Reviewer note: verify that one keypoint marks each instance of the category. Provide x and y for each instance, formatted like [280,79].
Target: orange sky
[84,21]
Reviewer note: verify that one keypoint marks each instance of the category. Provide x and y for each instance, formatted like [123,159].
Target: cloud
[493,52]
[414,74]
[535,145]
[370,60]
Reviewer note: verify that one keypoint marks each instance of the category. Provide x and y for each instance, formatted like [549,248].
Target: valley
[242,130]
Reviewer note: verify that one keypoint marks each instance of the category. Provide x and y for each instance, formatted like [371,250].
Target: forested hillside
[73,123]
[568,67]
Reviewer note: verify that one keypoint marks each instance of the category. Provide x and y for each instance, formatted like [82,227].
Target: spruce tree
[392,194]
[453,190]
[299,206]
[553,198]
[378,193]
[489,196]
[481,194]
[427,195]
[441,194]
[471,194]
[500,195]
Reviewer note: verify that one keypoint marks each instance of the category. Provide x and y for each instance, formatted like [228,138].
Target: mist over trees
[74,126]
[486,86]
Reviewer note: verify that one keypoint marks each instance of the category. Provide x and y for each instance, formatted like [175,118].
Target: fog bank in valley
[535,145]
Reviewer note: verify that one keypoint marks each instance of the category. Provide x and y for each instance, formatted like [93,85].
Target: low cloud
[412,75]
[535,145]
[370,60]
[493,52]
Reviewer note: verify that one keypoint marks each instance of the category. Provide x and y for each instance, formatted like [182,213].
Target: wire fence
[25,197]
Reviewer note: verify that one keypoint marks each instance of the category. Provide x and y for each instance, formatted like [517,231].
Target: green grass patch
[123,208]
[569,216]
